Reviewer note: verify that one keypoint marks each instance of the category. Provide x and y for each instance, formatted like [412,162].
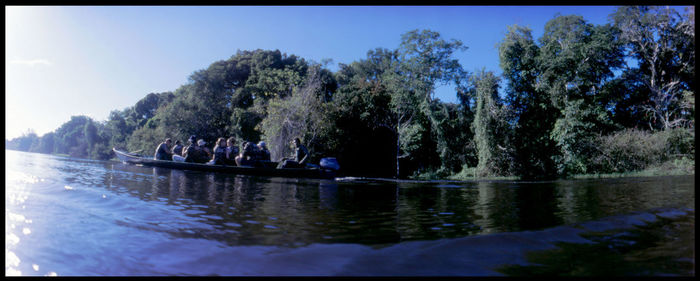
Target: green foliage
[561,110]
[663,43]
[23,143]
[467,173]
[101,151]
[633,149]
[455,140]
[146,108]
[575,60]
[80,137]
[301,114]
[489,131]
[424,60]
[70,137]
[681,142]
[532,108]
[118,128]
[361,107]
[229,98]
[45,144]
[575,134]
[147,138]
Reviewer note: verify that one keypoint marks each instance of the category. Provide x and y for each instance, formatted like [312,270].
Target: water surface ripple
[68,216]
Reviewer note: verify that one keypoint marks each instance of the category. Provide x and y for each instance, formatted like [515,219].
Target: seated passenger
[189,151]
[231,151]
[207,153]
[177,149]
[263,152]
[194,153]
[163,152]
[246,157]
[219,153]
[301,155]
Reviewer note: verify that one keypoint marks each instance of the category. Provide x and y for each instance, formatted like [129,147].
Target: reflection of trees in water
[413,216]
[211,188]
[328,195]
[160,182]
[275,211]
[537,206]
[578,201]
[583,200]
[175,182]
[495,210]
[663,247]
[529,206]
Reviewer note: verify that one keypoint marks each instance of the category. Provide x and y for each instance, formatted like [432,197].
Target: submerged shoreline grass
[675,167]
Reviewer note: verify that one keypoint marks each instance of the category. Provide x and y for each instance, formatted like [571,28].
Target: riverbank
[675,167]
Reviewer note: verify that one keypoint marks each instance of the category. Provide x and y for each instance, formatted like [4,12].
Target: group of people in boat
[225,152]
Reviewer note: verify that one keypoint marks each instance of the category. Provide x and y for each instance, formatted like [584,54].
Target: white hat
[201,142]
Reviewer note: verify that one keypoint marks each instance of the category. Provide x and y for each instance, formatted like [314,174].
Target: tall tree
[576,59]
[488,130]
[118,128]
[91,135]
[534,114]
[45,144]
[426,60]
[25,141]
[301,114]
[663,42]
[230,97]
[363,123]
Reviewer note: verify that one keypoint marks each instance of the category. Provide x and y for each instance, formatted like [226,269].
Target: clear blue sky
[64,61]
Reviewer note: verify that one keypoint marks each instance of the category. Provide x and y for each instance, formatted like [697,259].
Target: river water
[78,217]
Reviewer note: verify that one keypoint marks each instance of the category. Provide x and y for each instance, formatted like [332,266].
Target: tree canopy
[563,101]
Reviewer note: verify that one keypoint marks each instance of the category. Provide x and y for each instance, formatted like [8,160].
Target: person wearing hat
[263,152]
[193,151]
[206,152]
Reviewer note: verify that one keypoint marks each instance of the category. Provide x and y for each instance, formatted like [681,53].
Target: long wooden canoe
[131,158]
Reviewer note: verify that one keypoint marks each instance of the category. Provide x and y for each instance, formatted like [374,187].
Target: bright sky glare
[66,61]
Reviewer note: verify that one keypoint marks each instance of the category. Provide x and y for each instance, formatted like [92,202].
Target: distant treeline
[583,98]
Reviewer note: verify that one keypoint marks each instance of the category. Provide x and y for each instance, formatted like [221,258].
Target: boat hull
[254,171]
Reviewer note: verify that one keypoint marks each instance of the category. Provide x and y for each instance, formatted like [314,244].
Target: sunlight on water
[11,239]
[21,178]
[11,262]
[19,185]
[15,194]
[104,218]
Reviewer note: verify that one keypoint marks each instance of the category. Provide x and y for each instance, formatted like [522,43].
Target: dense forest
[580,99]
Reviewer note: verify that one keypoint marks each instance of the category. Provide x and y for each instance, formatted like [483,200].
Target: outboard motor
[330,163]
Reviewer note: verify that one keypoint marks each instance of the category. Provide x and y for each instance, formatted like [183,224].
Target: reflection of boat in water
[268,170]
